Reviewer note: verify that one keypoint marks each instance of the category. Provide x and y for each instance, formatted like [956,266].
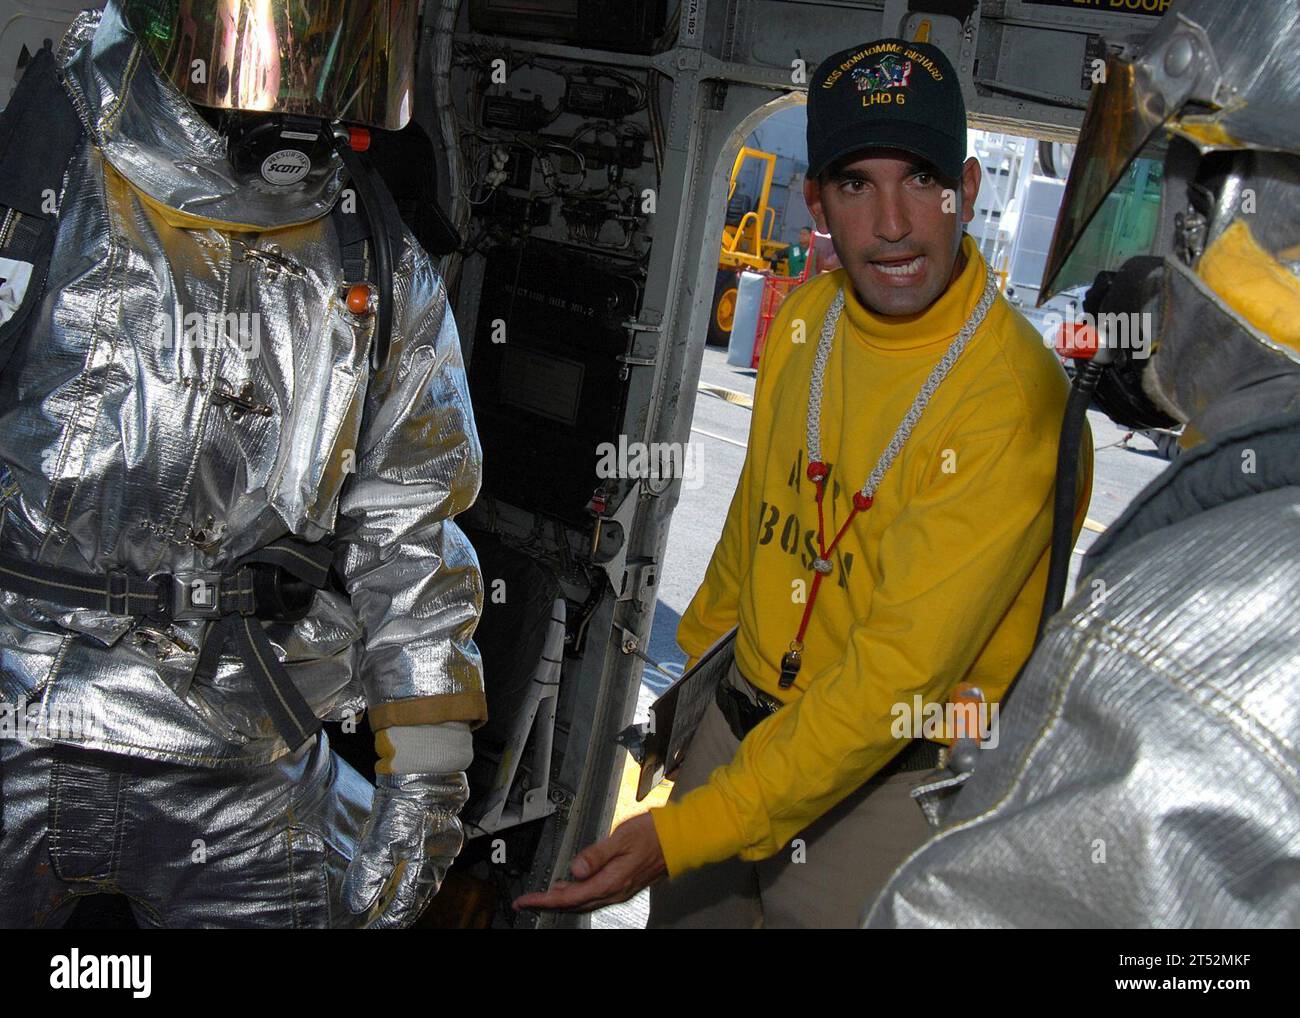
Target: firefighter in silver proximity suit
[225,512]
[1147,767]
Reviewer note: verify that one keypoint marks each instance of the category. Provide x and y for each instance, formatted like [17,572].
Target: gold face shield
[1107,178]
[1111,203]
[350,60]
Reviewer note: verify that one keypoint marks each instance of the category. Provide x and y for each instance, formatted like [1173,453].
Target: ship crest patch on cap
[889,72]
[890,93]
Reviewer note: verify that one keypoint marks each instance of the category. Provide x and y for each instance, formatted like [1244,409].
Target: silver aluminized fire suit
[141,430]
[1148,768]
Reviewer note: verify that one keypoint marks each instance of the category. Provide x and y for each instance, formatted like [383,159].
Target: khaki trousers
[828,882]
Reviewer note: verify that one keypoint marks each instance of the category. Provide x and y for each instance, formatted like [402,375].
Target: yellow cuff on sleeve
[696,830]
[469,706]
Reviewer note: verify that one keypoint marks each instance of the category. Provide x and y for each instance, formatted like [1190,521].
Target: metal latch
[195,594]
[639,577]
[239,402]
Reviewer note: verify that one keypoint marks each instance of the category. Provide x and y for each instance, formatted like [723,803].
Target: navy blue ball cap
[887,94]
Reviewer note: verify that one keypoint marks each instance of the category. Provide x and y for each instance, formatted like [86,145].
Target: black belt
[274,583]
[744,715]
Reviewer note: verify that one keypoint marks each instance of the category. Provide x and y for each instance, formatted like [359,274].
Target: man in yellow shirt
[887,540]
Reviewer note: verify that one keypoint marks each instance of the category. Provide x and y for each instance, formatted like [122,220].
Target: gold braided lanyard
[865,496]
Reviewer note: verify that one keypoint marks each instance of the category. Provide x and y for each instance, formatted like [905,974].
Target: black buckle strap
[117,592]
[292,715]
[117,599]
[229,601]
[202,594]
[309,562]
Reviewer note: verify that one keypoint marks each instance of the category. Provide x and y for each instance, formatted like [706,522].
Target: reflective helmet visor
[350,60]
[1123,117]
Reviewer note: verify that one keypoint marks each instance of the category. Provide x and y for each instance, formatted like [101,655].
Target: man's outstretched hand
[607,872]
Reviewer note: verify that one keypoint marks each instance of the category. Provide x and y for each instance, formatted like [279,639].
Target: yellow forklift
[746,242]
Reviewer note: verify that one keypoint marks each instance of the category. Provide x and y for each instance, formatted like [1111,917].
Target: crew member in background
[797,257]
[887,539]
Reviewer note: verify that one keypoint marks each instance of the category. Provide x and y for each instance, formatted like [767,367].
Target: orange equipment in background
[775,290]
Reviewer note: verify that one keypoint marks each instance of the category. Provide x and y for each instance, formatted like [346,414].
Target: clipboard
[676,715]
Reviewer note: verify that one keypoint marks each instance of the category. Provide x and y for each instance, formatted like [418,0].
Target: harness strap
[232,602]
[309,561]
[292,715]
[118,593]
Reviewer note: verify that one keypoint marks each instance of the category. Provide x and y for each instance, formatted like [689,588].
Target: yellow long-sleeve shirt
[940,582]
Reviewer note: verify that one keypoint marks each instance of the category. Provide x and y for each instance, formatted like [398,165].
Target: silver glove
[410,839]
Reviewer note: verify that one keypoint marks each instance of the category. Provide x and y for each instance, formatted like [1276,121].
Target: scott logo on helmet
[287,166]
